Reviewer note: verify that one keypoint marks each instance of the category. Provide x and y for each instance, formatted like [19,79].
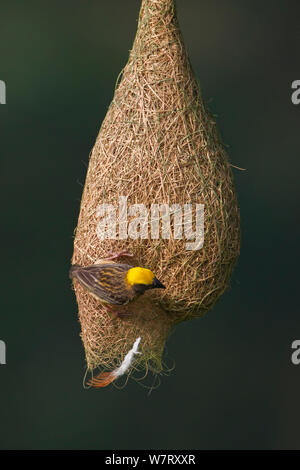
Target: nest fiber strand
[157,144]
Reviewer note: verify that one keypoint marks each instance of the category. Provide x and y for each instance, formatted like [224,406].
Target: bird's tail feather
[73,270]
[102,380]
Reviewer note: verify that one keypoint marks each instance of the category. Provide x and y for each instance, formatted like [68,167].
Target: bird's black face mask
[141,288]
[157,284]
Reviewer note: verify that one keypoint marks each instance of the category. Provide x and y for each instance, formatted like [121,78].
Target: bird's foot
[111,310]
[119,254]
[117,312]
[124,313]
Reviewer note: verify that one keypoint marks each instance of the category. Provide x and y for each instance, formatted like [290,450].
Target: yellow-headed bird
[115,284]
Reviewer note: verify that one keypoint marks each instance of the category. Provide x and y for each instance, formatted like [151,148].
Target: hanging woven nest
[158,145]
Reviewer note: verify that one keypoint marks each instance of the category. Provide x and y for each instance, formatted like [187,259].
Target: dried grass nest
[158,144]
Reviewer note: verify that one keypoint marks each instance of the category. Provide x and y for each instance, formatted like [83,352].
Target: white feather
[128,360]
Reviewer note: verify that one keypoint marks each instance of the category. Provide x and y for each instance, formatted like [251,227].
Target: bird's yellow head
[144,277]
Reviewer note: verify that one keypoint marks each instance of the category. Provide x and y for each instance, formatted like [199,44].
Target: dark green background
[234,385]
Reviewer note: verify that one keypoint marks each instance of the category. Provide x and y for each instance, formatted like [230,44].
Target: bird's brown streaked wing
[105,281]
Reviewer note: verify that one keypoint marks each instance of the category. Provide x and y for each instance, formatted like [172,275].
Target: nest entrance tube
[157,155]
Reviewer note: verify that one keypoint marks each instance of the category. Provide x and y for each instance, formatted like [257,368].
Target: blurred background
[234,385]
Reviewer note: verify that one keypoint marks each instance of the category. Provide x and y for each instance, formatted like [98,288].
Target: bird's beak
[157,284]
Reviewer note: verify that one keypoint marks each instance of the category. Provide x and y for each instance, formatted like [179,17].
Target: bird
[115,284]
